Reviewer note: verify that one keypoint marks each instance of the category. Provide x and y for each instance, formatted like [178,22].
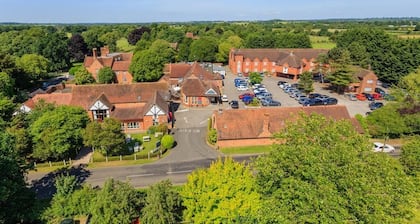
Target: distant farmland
[321,42]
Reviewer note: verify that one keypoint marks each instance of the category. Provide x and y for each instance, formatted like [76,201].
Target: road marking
[204,121]
[185,119]
[184,110]
[141,175]
[181,171]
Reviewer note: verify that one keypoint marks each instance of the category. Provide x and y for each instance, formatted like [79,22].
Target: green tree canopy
[7,107]
[105,136]
[255,78]
[116,202]
[167,141]
[36,66]
[7,84]
[82,76]
[223,193]
[106,75]
[410,156]
[147,65]
[57,134]
[306,82]
[325,172]
[203,49]
[163,204]
[341,76]
[224,47]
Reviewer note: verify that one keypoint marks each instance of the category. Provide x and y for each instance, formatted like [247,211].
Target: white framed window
[255,70]
[285,70]
[100,114]
[247,63]
[122,126]
[370,81]
[273,63]
[368,90]
[185,99]
[265,63]
[133,125]
[256,63]
[246,70]
[273,70]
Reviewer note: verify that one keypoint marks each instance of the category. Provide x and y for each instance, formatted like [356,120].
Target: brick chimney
[104,51]
[94,53]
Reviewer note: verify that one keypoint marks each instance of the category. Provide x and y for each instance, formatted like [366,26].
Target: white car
[380,147]
[242,88]
[225,98]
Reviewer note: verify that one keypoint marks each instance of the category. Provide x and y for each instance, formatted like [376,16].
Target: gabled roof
[103,99]
[178,70]
[116,61]
[360,73]
[121,66]
[128,111]
[292,60]
[249,123]
[194,86]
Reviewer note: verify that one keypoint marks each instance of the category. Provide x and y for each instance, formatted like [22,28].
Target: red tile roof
[292,60]
[128,111]
[194,86]
[178,70]
[56,98]
[250,123]
[278,54]
[121,66]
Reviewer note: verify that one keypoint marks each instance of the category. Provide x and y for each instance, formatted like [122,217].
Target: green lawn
[247,149]
[321,42]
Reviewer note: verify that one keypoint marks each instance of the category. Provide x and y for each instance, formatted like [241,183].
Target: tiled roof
[292,60]
[56,98]
[121,66]
[279,54]
[194,86]
[84,95]
[249,123]
[128,111]
[360,73]
[178,70]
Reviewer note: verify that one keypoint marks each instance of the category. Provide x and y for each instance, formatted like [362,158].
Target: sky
[145,11]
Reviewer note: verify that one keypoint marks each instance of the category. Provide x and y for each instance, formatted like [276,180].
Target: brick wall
[244,142]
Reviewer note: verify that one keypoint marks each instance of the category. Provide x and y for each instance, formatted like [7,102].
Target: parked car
[242,88]
[361,97]
[247,99]
[375,105]
[314,102]
[225,98]
[303,100]
[323,97]
[377,96]
[314,95]
[246,94]
[234,104]
[368,96]
[352,96]
[270,103]
[330,101]
[380,91]
[380,147]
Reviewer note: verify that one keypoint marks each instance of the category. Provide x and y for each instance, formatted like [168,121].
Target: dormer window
[100,110]
[100,115]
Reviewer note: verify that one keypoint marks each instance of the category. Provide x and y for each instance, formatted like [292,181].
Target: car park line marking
[177,172]
[140,175]
[184,110]
[202,122]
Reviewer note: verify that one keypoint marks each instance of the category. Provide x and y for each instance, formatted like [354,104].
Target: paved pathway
[83,157]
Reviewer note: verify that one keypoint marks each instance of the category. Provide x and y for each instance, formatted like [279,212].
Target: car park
[314,95]
[351,96]
[380,91]
[303,100]
[375,105]
[247,99]
[242,88]
[377,96]
[246,94]
[368,96]
[380,147]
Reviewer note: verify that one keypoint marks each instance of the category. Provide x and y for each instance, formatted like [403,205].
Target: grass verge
[247,149]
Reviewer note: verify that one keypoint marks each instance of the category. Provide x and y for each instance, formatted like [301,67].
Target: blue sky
[133,11]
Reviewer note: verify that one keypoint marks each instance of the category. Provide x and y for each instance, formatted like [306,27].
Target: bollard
[106,158]
[64,162]
[50,163]
[120,157]
[34,164]
[135,156]
[69,161]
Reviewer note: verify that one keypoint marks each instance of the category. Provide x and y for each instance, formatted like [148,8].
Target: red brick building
[118,62]
[281,62]
[249,127]
[198,87]
[138,106]
[364,81]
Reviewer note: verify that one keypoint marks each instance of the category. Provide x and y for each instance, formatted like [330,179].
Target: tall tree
[7,84]
[106,75]
[325,172]
[116,202]
[105,136]
[7,107]
[57,134]
[255,78]
[16,200]
[36,66]
[410,156]
[306,82]
[147,65]
[82,76]
[225,46]
[54,47]
[163,204]
[137,34]
[77,47]
[341,76]
[203,49]
[223,193]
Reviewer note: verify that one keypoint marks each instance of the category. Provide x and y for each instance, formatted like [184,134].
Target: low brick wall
[244,142]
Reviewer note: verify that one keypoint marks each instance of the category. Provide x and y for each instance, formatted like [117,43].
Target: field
[321,42]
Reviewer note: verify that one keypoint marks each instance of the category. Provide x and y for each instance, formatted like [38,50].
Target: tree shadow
[45,187]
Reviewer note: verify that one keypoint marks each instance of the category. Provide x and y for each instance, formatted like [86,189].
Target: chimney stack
[104,51]
[95,53]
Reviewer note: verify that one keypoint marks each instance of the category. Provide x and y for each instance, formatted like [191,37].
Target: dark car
[314,102]
[380,91]
[270,103]
[375,105]
[314,95]
[247,99]
[330,101]
[234,104]
[369,96]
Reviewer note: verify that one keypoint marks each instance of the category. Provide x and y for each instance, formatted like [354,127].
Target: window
[370,81]
[247,63]
[133,125]
[124,78]
[100,114]
[285,70]
[122,126]
[273,63]
[265,63]
[256,63]
[185,99]
[246,70]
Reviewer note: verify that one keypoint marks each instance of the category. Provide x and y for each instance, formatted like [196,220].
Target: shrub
[212,136]
[162,128]
[167,141]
